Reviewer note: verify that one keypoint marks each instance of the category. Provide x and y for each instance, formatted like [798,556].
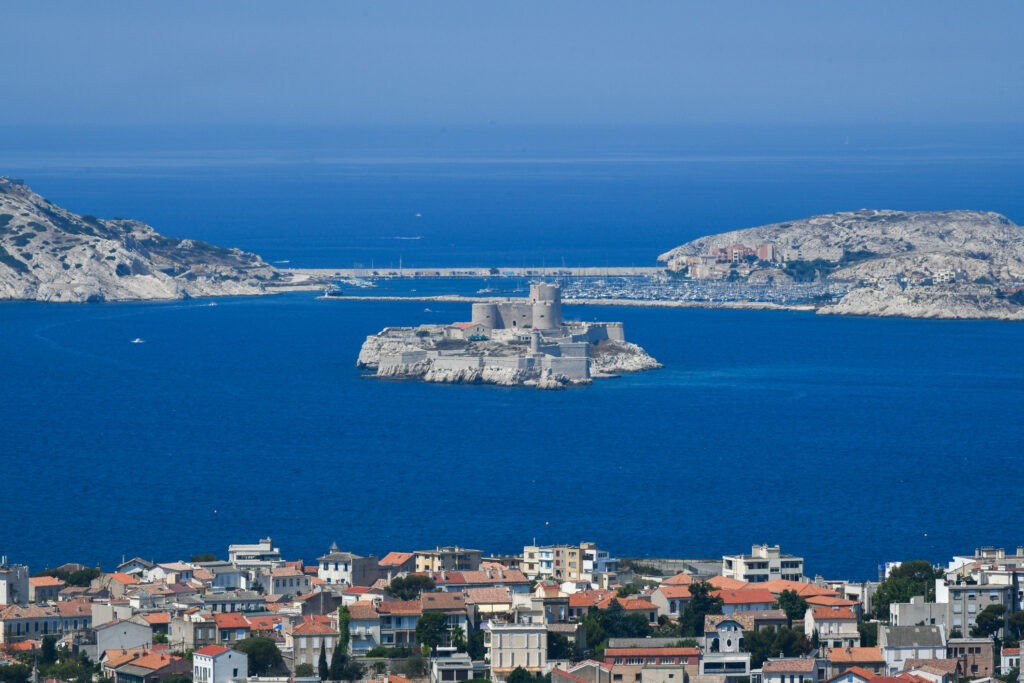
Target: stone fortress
[508,342]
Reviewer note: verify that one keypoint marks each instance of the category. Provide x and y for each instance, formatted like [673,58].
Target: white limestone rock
[50,254]
[932,264]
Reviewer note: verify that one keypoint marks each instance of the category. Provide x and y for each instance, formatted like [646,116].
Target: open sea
[850,441]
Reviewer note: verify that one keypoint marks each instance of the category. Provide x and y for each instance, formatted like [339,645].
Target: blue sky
[315,63]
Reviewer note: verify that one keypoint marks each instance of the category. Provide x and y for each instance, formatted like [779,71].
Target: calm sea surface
[850,441]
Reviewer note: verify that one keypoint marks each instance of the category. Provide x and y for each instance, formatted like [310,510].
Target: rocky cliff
[50,254]
[936,264]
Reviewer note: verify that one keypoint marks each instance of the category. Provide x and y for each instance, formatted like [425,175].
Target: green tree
[770,642]
[15,673]
[337,667]
[264,657]
[792,604]
[322,667]
[559,646]
[519,675]
[701,604]
[204,557]
[343,631]
[353,670]
[409,587]
[415,665]
[475,645]
[458,638]
[989,621]
[868,634]
[904,582]
[634,587]
[160,638]
[304,670]
[48,655]
[180,678]
[432,629]
[1016,624]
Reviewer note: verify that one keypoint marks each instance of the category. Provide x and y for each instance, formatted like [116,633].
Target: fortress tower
[542,311]
[546,301]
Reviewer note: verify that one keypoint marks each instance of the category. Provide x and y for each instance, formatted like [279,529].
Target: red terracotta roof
[231,620]
[211,651]
[362,610]
[856,671]
[395,559]
[789,666]
[45,581]
[313,628]
[651,652]
[154,660]
[629,604]
[802,589]
[121,577]
[401,607]
[855,654]
[834,614]
[155,618]
[674,591]
[682,579]
[589,598]
[479,596]
[748,596]
[829,601]
[263,623]
[724,583]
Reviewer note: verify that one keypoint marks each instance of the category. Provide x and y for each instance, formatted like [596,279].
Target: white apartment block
[764,563]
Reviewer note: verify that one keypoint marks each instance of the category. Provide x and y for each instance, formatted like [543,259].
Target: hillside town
[557,613]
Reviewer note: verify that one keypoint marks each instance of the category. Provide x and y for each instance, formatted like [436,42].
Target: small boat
[138,340]
[332,292]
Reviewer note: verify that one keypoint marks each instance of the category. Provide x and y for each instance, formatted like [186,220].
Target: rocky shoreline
[398,353]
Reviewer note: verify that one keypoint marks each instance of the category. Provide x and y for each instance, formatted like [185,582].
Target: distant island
[50,254]
[921,264]
[512,342]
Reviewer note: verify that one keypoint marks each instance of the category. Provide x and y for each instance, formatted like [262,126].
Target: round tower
[486,315]
[547,305]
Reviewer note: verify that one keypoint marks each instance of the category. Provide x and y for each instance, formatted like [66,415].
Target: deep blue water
[341,197]
[850,441]
[846,440]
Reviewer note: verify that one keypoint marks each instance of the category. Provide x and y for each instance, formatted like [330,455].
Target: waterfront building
[14,585]
[262,555]
[581,563]
[447,558]
[763,564]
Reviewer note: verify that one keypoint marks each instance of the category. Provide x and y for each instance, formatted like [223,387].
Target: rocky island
[507,342]
[922,264]
[50,254]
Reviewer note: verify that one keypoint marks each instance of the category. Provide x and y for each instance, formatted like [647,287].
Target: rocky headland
[50,254]
[922,264]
